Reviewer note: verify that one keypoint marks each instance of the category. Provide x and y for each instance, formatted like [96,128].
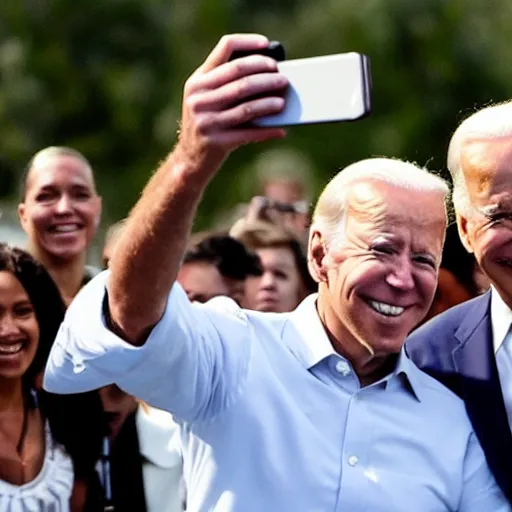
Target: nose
[63,206]
[268,281]
[401,277]
[8,326]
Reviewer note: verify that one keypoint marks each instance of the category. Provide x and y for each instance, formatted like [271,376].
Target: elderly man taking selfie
[315,410]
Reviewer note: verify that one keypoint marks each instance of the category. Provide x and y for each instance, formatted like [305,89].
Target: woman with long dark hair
[48,443]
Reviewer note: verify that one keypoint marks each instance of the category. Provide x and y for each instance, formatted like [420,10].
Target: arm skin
[148,256]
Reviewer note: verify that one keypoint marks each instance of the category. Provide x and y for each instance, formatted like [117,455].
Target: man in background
[469,347]
[217,265]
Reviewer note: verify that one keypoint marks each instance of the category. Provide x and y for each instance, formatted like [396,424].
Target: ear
[463,225]
[316,257]
[22,215]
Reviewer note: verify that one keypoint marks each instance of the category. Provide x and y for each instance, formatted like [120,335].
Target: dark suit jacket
[456,348]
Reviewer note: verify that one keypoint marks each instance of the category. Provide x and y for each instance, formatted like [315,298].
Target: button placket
[355,454]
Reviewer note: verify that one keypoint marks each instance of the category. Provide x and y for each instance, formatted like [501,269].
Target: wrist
[195,167]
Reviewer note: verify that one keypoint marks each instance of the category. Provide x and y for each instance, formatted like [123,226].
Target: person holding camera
[318,409]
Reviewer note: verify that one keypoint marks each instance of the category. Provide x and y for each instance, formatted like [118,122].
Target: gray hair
[329,214]
[493,122]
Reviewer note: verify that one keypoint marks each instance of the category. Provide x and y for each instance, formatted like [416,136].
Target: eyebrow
[74,186]
[489,209]
[427,254]
[493,209]
[281,265]
[23,302]
[399,242]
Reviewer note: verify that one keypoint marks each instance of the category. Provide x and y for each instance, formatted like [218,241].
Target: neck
[368,367]
[11,394]
[67,274]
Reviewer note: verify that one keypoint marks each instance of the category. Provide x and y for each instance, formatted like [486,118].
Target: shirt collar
[159,437]
[407,374]
[316,346]
[501,318]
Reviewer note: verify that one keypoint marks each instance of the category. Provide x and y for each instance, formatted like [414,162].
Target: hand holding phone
[324,89]
[321,89]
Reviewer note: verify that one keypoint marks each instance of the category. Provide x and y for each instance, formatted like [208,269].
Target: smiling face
[486,229]
[19,329]
[378,282]
[61,210]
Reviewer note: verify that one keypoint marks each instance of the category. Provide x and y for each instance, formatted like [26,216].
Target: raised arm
[215,114]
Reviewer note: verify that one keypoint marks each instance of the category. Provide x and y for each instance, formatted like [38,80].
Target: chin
[68,253]
[267,308]
[13,372]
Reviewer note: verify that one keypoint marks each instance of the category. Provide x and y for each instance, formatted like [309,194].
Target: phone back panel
[324,89]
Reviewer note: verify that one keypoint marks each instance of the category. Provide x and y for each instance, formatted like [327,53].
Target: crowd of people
[353,357]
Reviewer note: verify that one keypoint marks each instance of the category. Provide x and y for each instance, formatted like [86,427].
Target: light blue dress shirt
[273,420]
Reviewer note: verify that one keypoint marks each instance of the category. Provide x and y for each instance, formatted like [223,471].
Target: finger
[237,91]
[231,71]
[210,122]
[249,111]
[237,138]
[228,44]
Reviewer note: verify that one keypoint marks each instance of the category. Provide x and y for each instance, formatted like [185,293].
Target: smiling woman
[48,444]
[60,212]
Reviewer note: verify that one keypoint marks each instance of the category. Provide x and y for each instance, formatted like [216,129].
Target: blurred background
[105,77]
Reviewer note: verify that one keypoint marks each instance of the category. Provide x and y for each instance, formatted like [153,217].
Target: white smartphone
[324,89]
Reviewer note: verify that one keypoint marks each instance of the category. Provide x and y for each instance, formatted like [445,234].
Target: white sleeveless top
[50,490]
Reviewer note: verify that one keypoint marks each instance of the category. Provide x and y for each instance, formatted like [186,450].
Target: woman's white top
[50,491]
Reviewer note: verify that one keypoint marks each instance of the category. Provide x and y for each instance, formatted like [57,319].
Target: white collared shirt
[501,320]
[272,419]
[160,445]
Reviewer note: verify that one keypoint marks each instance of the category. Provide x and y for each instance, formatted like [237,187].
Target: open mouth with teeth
[64,228]
[385,309]
[11,349]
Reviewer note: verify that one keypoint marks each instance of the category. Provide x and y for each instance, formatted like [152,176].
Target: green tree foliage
[105,77]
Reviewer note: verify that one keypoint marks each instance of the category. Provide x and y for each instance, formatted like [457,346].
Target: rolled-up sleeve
[480,490]
[193,364]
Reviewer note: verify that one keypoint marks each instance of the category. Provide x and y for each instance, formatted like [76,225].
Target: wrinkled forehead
[46,168]
[487,168]
[385,205]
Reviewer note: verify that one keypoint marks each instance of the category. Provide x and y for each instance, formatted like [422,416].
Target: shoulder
[439,333]
[442,409]
[439,395]
[229,317]
[431,347]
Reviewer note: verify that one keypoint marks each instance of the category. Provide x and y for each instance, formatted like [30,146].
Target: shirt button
[353,460]
[78,367]
[343,368]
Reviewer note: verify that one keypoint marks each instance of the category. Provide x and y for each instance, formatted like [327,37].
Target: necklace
[21,442]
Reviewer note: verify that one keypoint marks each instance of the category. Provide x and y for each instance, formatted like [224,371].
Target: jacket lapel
[480,387]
